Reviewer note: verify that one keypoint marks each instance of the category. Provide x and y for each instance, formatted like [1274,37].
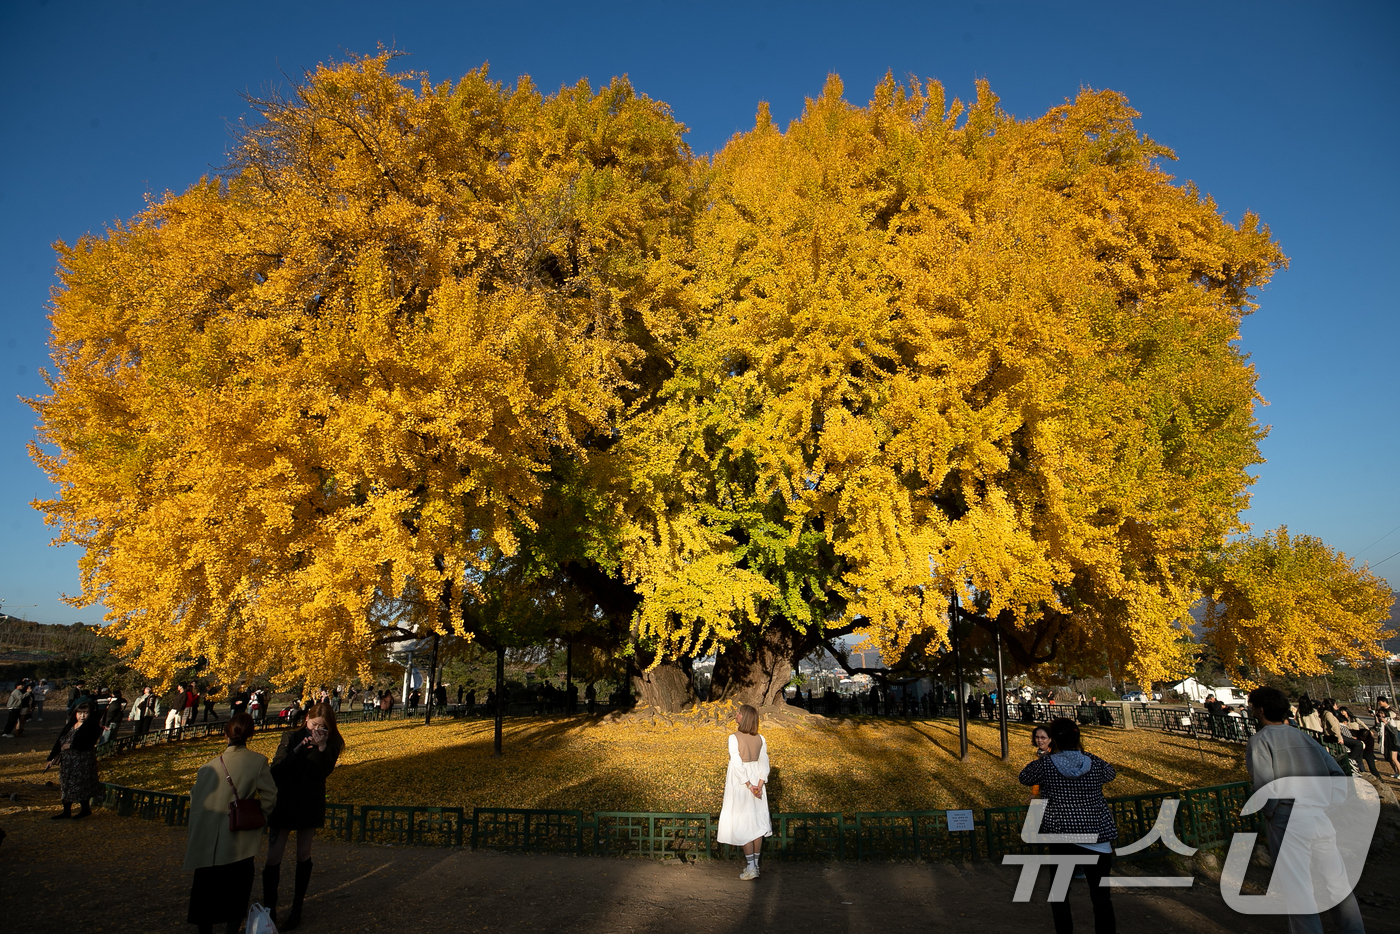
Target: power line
[1378,541]
[1384,560]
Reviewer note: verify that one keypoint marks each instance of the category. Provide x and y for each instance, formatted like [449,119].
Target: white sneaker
[748,874]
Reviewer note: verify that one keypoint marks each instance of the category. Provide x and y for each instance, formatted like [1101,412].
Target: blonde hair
[747,716]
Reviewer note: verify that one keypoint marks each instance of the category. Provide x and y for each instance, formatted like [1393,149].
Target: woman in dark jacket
[1072,783]
[305,758]
[73,753]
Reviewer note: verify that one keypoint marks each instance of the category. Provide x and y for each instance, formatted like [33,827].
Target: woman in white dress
[744,820]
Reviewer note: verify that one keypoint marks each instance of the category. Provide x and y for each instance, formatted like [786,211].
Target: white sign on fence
[960,820]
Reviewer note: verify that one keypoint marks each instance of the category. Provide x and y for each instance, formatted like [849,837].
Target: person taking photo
[304,760]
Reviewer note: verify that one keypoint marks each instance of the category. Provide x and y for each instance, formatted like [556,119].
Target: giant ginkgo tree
[429,355]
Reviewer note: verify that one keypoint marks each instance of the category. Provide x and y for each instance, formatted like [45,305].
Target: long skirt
[221,893]
[77,776]
[743,818]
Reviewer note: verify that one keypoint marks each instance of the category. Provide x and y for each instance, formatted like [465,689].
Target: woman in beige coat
[222,859]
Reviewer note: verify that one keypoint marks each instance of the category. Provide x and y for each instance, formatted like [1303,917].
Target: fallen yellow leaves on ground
[848,764]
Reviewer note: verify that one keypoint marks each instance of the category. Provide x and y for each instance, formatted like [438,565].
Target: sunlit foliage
[1291,605]
[423,346]
[332,379]
[971,354]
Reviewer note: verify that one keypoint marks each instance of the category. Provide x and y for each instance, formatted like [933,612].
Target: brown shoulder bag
[243,813]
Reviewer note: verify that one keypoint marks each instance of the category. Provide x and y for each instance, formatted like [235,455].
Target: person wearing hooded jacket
[1072,781]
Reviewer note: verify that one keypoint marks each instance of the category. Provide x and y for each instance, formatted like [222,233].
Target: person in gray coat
[222,859]
[1280,751]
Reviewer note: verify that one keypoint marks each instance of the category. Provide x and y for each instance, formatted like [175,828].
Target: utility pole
[1001,702]
[957,666]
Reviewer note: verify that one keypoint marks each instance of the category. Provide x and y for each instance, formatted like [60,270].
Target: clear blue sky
[1287,109]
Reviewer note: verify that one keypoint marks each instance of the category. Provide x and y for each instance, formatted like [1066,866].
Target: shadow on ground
[110,874]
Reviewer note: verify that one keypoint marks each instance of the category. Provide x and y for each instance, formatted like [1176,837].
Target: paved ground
[111,874]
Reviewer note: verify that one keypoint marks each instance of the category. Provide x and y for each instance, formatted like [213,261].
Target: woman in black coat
[305,759]
[74,754]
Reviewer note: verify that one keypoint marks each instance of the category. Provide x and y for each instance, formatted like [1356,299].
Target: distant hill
[24,640]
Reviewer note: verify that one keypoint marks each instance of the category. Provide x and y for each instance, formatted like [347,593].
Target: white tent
[1197,691]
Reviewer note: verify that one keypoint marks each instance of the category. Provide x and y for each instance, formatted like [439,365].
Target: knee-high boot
[272,876]
[299,895]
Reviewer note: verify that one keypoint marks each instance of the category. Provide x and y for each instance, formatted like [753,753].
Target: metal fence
[927,708]
[154,737]
[1110,714]
[1205,817]
[1195,721]
[527,830]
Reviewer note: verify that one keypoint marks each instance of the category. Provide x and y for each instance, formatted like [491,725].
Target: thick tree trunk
[756,674]
[667,687]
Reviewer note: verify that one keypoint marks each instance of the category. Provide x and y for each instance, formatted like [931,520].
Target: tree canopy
[1289,604]
[334,377]
[944,352]
[424,352]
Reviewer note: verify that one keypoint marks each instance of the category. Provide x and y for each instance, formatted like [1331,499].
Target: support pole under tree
[444,621]
[1001,703]
[1389,679]
[500,693]
[407,681]
[958,669]
[569,674]
[432,680]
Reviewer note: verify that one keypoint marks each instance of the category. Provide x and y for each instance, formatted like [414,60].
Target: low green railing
[654,834]
[527,830]
[1206,817]
[404,825]
[163,806]
[911,835]
[820,835]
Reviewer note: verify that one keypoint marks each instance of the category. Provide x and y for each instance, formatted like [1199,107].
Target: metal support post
[1001,703]
[500,694]
[432,681]
[957,666]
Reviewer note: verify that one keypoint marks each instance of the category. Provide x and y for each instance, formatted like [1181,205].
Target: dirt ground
[111,874]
